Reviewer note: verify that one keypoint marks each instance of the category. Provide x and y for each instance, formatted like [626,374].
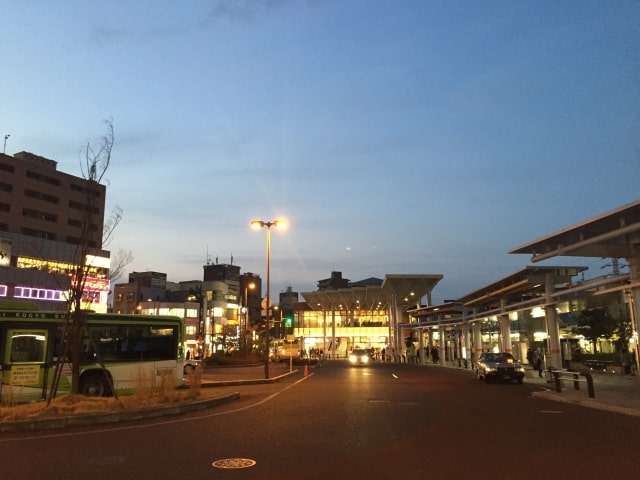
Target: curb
[257,381]
[40,424]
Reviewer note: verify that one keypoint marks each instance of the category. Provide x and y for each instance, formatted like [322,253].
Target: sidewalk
[613,392]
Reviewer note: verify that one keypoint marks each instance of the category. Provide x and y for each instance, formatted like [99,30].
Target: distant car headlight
[358,358]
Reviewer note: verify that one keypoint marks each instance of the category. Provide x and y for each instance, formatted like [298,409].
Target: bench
[560,375]
[598,364]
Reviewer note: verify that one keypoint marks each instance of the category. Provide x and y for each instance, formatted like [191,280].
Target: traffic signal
[288,321]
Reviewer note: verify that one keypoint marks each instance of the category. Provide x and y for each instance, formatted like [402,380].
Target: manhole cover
[234,463]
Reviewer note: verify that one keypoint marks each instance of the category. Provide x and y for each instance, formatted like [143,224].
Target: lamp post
[256,224]
[279,322]
[244,329]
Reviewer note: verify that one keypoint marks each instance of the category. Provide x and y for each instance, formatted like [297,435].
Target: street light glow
[280,224]
[257,224]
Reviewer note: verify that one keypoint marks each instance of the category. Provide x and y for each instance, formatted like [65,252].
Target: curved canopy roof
[607,236]
[406,289]
[525,280]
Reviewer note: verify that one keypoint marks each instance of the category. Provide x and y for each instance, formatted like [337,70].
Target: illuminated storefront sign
[95,266]
[92,284]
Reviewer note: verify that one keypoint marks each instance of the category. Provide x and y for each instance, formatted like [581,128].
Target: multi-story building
[43,224]
[216,311]
[250,288]
[220,305]
[342,315]
[142,288]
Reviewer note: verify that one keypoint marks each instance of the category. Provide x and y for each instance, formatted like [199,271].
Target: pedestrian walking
[537,361]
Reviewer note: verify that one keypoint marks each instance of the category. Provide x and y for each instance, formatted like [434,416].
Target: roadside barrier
[560,375]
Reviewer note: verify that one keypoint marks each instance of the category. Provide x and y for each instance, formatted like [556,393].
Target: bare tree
[110,225]
[119,262]
[94,165]
[121,258]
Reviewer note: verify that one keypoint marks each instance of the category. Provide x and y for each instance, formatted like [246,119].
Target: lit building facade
[42,219]
[343,315]
[220,306]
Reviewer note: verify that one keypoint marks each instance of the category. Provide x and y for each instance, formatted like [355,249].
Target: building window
[38,233]
[47,217]
[41,196]
[43,178]
[38,294]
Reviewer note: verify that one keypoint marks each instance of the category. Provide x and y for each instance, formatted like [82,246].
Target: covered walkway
[530,306]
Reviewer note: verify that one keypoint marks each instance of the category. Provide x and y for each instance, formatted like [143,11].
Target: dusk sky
[397,137]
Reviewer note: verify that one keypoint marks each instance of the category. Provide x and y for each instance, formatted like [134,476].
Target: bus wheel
[94,385]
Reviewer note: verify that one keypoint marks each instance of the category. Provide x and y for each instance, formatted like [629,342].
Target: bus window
[133,344]
[26,346]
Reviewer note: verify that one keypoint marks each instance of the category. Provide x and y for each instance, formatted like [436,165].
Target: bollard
[576,383]
[556,380]
[590,389]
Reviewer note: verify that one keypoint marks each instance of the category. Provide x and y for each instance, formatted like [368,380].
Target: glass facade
[337,333]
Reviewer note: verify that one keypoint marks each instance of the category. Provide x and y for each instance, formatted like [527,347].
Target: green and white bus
[135,350]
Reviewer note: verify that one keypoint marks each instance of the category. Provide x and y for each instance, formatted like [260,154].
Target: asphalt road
[377,422]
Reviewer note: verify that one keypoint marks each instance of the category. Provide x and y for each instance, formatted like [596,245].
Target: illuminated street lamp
[256,224]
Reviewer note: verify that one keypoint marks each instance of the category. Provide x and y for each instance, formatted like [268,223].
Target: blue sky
[395,136]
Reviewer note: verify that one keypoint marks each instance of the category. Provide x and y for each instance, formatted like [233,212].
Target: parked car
[499,366]
[359,356]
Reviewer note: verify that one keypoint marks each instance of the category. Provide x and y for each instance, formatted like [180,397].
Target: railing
[560,375]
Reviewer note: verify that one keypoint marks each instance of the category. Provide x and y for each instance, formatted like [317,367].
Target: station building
[341,315]
[535,306]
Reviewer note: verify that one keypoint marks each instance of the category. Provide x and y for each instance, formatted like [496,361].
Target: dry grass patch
[145,394]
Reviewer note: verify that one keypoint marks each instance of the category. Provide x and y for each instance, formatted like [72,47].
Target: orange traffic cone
[306,371]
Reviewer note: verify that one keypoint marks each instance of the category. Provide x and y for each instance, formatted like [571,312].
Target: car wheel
[187,369]
[487,379]
[94,385]
[520,381]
